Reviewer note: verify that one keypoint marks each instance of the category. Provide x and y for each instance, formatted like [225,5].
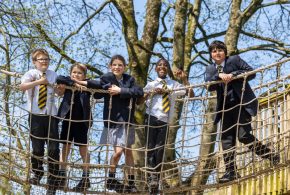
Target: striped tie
[165,98]
[42,95]
[220,68]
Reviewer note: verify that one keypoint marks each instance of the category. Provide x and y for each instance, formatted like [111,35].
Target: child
[43,124]
[117,121]
[236,120]
[72,130]
[160,110]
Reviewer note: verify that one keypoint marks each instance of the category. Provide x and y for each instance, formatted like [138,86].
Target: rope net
[192,154]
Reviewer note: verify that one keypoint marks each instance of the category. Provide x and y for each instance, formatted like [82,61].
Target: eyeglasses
[43,60]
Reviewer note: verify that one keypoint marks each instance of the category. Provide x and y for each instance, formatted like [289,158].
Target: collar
[120,80]
[160,79]
[222,64]
[40,73]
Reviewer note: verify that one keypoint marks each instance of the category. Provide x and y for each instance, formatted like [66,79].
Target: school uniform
[43,124]
[75,106]
[118,119]
[241,106]
[157,120]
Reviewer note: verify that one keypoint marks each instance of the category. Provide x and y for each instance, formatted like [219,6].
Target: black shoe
[153,190]
[131,189]
[114,184]
[164,185]
[35,180]
[82,185]
[62,180]
[62,183]
[229,176]
[51,191]
[274,159]
[153,186]
[52,182]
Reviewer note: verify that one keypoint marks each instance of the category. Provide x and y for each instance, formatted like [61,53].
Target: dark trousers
[156,139]
[238,126]
[43,128]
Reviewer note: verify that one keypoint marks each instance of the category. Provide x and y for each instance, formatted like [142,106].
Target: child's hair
[36,52]
[163,60]
[217,45]
[80,66]
[118,57]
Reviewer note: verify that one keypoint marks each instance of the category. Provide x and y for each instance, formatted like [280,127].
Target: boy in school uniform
[160,109]
[236,119]
[43,124]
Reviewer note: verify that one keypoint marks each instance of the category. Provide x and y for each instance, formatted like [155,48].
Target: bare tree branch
[85,22]
[270,47]
[60,51]
[262,38]
[278,2]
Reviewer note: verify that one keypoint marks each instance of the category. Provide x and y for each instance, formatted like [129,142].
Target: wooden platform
[276,182]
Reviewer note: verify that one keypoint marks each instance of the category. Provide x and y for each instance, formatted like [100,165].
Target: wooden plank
[254,184]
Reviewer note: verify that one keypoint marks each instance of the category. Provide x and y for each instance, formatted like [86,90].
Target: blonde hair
[80,66]
[36,52]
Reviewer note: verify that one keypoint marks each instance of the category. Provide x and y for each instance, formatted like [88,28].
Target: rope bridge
[193,138]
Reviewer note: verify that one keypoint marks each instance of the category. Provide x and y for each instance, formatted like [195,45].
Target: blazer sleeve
[96,84]
[211,74]
[134,91]
[64,80]
[93,84]
[242,67]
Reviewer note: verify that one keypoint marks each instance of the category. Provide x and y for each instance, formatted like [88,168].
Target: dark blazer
[234,65]
[66,101]
[120,111]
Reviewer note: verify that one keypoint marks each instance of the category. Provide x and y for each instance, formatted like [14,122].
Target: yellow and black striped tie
[42,95]
[165,98]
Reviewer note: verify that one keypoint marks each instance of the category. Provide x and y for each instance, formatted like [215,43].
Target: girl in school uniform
[118,130]
[74,107]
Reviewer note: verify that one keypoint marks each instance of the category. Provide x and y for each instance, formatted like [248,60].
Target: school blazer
[120,111]
[65,105]
[234,65]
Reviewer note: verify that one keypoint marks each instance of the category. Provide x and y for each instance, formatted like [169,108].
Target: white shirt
[154,104]
[32,94]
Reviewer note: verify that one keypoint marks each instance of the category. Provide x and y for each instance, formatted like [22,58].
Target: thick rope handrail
[244,75]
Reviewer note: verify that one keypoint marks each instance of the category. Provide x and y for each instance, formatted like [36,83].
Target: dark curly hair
[217,45]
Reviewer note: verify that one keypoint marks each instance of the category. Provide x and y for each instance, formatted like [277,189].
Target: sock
[112,175]
[131,179]
[62,172]
[86,174]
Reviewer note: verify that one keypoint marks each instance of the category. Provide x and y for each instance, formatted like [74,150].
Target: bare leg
[129,160]
[85,156]
[85,181]
[112,183]
[115,158]
[65,152]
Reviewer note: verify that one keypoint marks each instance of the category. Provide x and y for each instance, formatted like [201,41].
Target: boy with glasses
[43,124]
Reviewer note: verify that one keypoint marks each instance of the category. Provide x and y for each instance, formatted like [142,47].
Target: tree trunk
[206,159]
